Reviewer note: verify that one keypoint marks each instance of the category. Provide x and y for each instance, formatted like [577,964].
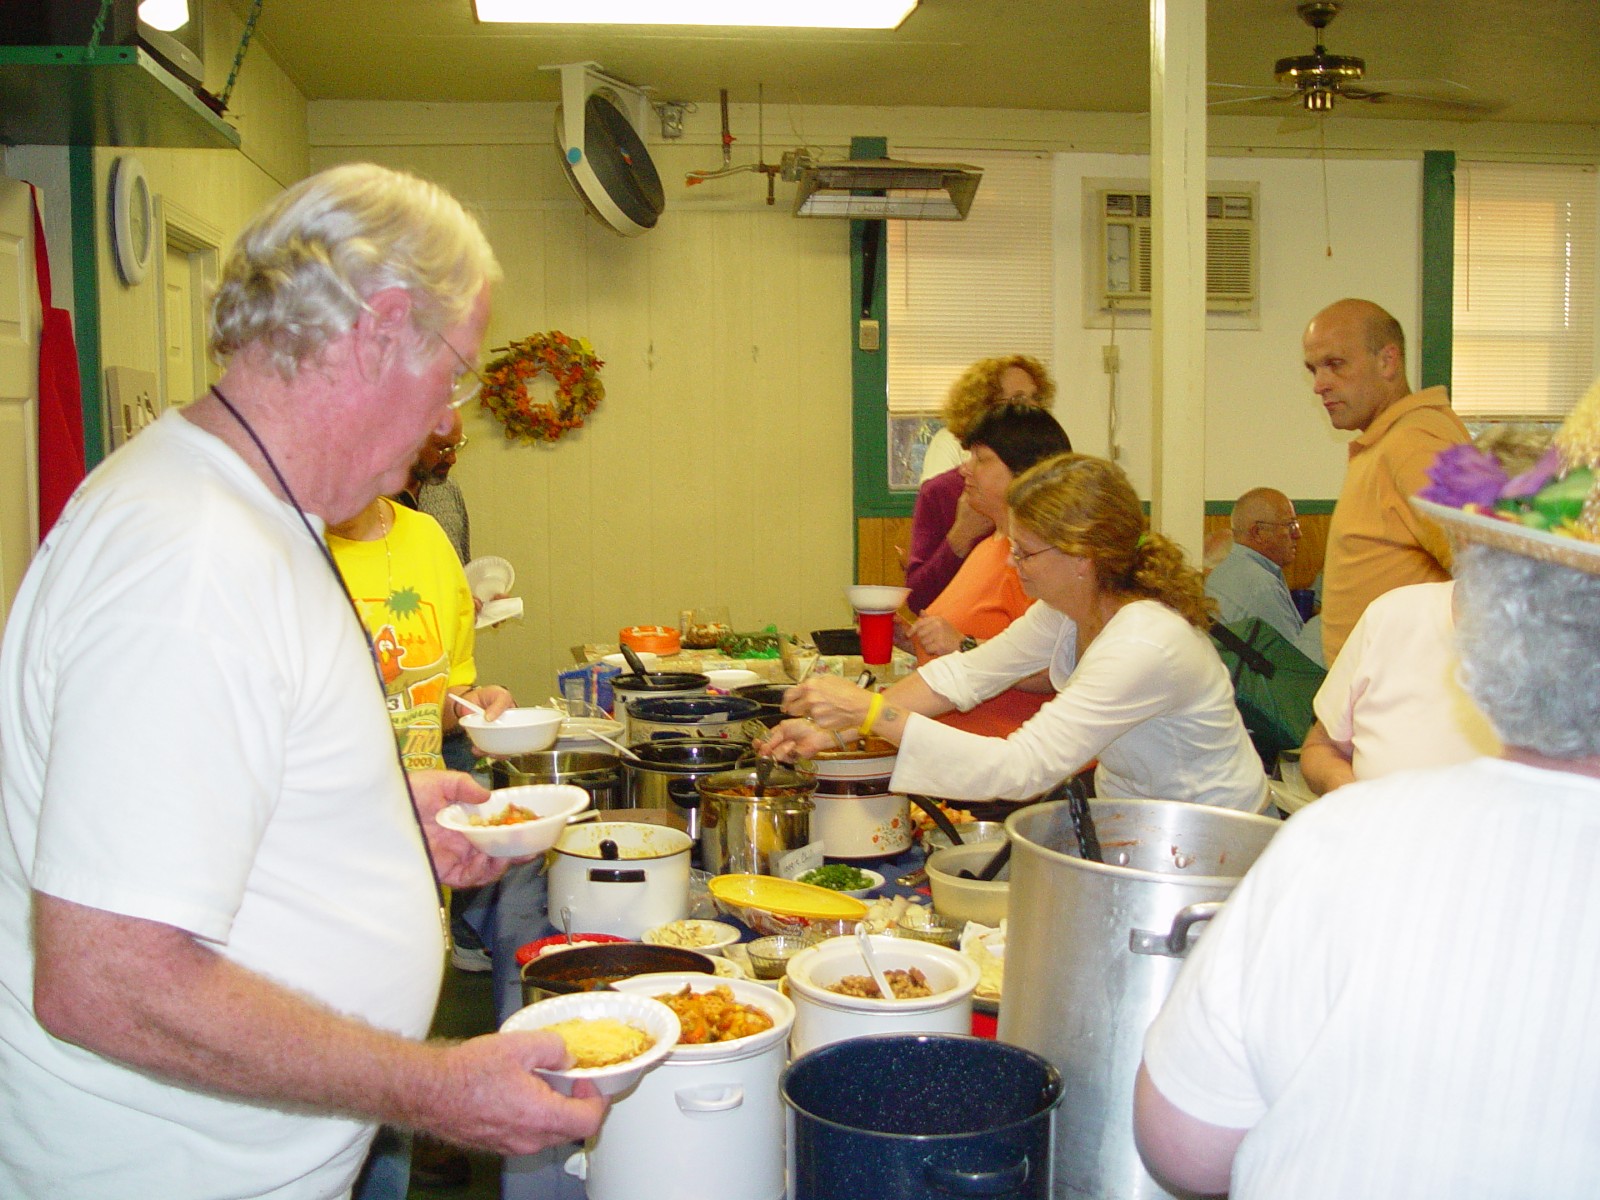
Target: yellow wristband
[873,710]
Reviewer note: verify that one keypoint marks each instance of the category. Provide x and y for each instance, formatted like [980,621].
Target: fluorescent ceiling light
[785,14]
[165,15]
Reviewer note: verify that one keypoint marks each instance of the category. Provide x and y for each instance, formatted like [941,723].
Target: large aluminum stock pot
[1094,949]
[664,774]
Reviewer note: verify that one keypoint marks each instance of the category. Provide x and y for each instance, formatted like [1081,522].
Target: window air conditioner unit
[1127,251]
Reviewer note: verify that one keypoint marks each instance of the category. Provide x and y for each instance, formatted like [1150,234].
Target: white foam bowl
[583,731]
[876,598]
[693,933]
[489,576]
[556,804]
[515,731]
[725,679]
[642,1012]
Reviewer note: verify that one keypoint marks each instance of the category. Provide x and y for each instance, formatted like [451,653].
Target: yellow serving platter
[787,897]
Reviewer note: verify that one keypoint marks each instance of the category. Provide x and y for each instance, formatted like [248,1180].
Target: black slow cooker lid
[691,710]
[660,681]
[704,754]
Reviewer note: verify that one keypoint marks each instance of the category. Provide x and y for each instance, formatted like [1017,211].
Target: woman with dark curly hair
[1118,626]
[944,525]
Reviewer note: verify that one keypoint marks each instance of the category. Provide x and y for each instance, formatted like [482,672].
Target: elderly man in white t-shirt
[220,939]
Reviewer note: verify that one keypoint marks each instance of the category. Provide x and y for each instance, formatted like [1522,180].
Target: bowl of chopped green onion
[842,877]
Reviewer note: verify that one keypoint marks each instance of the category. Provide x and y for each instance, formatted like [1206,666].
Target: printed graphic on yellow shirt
[416,672]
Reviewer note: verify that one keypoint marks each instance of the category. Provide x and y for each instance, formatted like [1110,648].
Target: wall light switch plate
[131,400]
[869,335]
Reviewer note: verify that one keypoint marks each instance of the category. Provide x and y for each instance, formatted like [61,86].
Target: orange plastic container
[657,639]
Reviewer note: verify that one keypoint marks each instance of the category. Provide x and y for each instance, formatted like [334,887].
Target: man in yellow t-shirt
[1356,354]
[412,594]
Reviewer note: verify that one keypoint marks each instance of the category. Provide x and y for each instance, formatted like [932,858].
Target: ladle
[764,766]
[864,940]
[945,824]
[566,923]
[635,663]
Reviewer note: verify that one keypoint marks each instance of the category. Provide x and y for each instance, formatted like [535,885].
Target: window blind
[1523,345]
[959,291]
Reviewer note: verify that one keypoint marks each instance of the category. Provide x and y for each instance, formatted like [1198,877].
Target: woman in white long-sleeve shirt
[1119,625]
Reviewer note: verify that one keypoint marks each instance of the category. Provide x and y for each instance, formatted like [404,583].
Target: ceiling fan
[1317,80]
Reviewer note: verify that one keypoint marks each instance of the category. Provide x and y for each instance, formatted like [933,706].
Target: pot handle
[1175,942]
[710,1098]
[684,793]
[615,875]
[977,1183]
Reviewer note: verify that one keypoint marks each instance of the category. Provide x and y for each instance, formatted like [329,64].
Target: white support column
[1178,334]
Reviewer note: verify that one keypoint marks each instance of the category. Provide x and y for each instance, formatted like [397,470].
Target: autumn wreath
[570,362]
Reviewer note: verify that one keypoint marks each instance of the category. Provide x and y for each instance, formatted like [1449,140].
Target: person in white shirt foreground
[220,940]
[1402,998]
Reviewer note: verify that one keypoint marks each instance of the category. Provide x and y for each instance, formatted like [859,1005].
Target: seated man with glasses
[1249,582]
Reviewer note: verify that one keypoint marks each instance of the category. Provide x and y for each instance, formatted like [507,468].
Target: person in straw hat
[1400,999]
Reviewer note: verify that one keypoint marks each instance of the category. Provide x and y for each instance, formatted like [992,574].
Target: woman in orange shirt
[986,596]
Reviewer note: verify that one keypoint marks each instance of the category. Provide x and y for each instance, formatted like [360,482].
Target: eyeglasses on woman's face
[1020,556]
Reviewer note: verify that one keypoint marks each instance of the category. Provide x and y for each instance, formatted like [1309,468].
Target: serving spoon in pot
[864,940]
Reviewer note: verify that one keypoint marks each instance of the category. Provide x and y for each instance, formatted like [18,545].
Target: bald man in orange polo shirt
[1356,353]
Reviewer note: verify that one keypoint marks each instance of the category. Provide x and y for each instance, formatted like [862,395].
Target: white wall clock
[132,225]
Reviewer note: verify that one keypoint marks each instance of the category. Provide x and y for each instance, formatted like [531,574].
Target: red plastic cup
[877,637]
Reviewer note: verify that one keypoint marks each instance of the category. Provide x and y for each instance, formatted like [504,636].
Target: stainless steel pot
[666,773]
[598,774]
[1093,950]
[740,834]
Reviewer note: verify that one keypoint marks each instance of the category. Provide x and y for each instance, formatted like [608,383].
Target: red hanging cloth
[61,461]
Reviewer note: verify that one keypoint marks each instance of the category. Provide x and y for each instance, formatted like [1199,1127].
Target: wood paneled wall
[879,541]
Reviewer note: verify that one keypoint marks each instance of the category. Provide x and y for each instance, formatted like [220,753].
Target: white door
[19,386]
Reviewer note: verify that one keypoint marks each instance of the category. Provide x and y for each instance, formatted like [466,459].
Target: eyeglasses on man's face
[468,383]
[455,447]
[1293,526]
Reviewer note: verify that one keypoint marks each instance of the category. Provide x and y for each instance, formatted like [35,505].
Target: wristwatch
[968,643]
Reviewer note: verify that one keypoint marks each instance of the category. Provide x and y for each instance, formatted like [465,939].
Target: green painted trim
[1438,266]
[1304,508]
[869,373]
[86,298]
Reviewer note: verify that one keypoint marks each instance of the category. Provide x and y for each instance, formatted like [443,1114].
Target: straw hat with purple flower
[1505,490]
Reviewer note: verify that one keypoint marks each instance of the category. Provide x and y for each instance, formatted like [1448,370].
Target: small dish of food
[612,1038]
[770,955]
[708,937]
[516,822]
[926,925]
[515,731]
[842,877]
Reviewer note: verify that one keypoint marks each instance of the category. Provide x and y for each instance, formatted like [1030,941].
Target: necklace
[372,654]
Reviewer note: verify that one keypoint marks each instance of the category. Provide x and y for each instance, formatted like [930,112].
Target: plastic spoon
[615,745]
[473,708]
[878,977]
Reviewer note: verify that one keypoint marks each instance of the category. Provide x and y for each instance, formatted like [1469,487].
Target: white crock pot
[861,826]
[647,884]
[708,1122]
[823,1017]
